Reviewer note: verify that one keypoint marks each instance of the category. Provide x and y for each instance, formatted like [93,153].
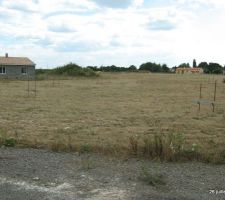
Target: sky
[106,32]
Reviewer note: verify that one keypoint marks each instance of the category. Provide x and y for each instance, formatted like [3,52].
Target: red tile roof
[15,61]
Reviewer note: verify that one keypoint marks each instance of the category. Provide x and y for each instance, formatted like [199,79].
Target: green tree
[194,63]
[203,65]
[184,65]
[215,68]
[152,67]
[132,68]
[165,68]
[211,68]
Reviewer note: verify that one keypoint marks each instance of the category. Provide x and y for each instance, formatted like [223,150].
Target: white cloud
[102,32]
[20,5]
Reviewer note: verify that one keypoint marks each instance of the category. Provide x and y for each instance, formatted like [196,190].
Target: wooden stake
[214,98]
[35,85]
[215,90]
[200,96]
[28,85]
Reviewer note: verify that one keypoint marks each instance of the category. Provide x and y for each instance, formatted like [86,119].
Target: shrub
[73,70]
[42,71]
[70,69]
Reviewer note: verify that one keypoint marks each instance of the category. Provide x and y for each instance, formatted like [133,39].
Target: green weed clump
[86,148]
[7,141]
[10,142]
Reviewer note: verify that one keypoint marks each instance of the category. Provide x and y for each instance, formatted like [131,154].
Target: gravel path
[28,174]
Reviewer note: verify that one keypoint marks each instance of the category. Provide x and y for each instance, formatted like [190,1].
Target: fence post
[35,85]
[200,96]
[28,85]
[214,98]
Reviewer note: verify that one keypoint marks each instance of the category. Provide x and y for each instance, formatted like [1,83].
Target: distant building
[189,71]
[16,67]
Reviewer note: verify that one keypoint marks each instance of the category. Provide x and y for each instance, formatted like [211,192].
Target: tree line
[148,66]
[76,70]
[208,68]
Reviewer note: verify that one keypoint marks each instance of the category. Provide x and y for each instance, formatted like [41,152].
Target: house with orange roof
[16,67]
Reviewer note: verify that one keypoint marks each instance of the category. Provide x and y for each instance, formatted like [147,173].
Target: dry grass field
[111,112]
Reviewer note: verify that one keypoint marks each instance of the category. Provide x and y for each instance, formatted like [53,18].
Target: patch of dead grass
[105,112]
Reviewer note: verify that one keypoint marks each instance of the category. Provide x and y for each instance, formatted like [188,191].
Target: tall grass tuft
[169,147]
[133,144]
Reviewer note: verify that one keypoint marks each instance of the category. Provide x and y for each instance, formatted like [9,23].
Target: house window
[2,70]
[24,70]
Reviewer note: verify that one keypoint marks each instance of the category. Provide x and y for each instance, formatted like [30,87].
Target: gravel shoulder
[27,174]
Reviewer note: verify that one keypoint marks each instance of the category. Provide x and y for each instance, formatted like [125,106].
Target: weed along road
[27,174]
